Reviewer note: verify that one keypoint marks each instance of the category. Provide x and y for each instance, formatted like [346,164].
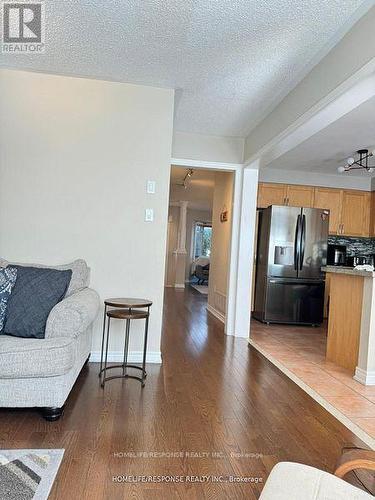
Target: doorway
[199,235]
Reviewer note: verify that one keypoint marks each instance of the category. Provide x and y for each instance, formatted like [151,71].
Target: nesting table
[126,309]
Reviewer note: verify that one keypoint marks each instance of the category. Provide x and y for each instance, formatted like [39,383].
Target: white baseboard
[216,313]
[179,285]
[364,377]
[133,357]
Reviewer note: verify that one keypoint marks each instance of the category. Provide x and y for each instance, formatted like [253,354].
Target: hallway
[216,408]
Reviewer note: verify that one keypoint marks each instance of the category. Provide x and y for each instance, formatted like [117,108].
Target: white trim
[218,315]
[186,162]
[364,377]
[366,438]
[245,257]
[153,357]
[230,326]
[179,285]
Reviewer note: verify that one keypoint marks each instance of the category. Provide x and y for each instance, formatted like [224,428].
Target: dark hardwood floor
[213,395]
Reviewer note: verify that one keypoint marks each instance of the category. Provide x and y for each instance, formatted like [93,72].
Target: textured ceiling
[231,60]
[330,148]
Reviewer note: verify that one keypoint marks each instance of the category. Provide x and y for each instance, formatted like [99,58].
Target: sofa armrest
[73,315]
[353,459]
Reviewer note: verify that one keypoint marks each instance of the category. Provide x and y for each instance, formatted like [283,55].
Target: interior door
[313,249]
[284,242]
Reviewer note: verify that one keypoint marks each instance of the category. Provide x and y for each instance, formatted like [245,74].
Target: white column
[365,371]
[242,252]
[230,315]
[180,252]
[181,239]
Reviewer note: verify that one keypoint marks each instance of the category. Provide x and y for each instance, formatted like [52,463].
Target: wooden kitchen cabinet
[372,215]
[330,199]
[355,213]
[271,194]
[327,290]
[300,196]
[351,212]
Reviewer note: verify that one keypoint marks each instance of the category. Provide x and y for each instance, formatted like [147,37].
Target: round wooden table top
[127,302]
[127,314]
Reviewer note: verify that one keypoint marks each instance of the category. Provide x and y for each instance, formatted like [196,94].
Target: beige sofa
[41,372]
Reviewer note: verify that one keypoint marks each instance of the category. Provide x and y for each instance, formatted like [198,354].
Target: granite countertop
[348,270]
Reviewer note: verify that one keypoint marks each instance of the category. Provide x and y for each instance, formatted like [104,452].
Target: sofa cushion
[8,278]
[35,293]
[28,358]
[80,273]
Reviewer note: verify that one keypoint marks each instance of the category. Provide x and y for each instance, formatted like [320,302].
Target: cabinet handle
[342,228]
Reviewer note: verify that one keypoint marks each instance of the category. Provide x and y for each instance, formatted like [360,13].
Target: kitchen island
[351,321]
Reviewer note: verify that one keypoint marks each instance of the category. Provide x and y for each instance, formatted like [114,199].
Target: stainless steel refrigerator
[292,248]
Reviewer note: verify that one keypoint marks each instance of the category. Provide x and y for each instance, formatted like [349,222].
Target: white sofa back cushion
[80,273]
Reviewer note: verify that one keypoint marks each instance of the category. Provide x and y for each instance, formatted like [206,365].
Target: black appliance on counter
[359,260]
[336,255]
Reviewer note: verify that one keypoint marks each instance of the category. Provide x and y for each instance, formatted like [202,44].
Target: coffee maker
[336,255]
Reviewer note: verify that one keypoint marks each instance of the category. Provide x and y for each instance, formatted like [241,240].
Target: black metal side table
[124,309]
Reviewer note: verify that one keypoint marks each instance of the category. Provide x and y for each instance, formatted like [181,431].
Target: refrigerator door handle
[303,241]
[296,243]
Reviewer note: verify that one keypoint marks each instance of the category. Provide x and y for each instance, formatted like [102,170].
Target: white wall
[355,49]
[221,239]
[208,147]
[345,181]
[75,158]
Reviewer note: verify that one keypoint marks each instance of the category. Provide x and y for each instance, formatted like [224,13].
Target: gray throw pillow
[36,292]
[8,278]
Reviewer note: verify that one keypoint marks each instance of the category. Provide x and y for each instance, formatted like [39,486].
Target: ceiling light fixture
[190,172]
[360,163]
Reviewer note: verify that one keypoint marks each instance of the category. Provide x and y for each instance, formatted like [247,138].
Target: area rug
[28,474]
[201,289]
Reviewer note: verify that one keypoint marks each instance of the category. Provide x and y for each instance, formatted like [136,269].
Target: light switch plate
[149,215]
[151,187]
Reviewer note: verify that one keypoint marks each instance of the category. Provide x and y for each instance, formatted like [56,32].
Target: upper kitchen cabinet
[271,194]
[300,196]
[352,213]
[330,199]
[355,213]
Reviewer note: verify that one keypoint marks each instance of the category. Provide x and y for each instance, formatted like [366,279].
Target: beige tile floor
[302,351]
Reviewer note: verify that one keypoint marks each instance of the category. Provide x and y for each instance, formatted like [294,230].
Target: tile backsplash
[354,246]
